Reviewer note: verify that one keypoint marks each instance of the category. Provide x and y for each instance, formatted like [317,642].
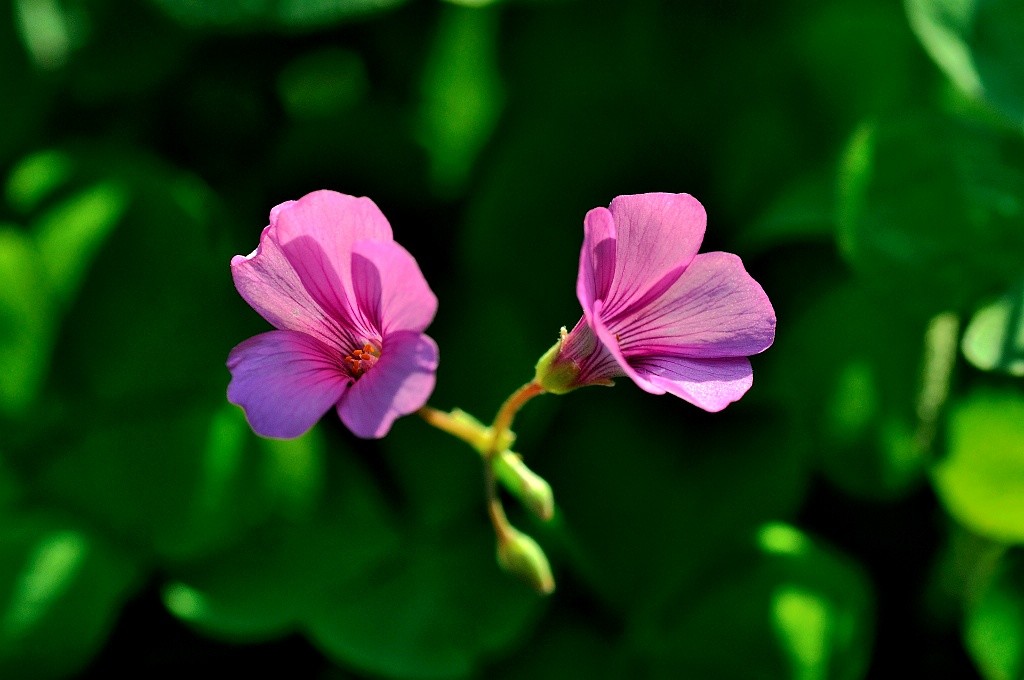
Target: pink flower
[656,311]
[350,306]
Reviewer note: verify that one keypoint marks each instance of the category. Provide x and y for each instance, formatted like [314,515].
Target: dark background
[853,516]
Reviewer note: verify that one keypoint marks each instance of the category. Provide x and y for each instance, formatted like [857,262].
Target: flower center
[361,360]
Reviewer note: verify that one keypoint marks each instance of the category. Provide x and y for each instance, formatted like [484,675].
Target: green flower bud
[519,555]
[525,484]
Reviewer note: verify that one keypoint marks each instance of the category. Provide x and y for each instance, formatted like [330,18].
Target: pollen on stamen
[361,360]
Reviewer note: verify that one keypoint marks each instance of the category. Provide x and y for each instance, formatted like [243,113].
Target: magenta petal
[597,259]
[266,280]
[714,309]
[390,289]
[711,384]
[285,381]
[317,234]
[610,343]
[399,383]
[655,234]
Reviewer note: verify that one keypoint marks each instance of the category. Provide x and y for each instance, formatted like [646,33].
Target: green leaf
[285,14]
[930,211]
[979,44]
[620,462]
[849,368]
[174,483]
[263,586]
[804,212]
[322,83]
[792,608]
[371,595]
[148,315]
[70,233]
[981,479]
[435,607]
[994,339]
[994,627]
[462,93]
[567,643]
[36,177]
[26,95]
[60,591]
[26,322]
[856,82]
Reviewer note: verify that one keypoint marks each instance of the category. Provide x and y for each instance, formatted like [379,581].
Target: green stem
[507,413]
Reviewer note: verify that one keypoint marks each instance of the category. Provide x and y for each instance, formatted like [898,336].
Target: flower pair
[351,305]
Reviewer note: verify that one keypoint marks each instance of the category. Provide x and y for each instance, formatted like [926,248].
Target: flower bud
[518,554]
[525,484]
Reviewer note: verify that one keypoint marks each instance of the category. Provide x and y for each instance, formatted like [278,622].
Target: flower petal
[317,233]
[597,259]
[268,282]
[390,289]
[285,381]
[399,383]
[611,343]
[714,309]
[655,234]
[711,384]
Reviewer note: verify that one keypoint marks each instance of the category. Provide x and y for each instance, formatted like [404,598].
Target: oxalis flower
[350,306]
[656,311]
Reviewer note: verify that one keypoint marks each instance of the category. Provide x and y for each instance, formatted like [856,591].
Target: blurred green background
[855,515]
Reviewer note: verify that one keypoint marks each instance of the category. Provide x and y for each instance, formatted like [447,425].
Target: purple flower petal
[655,234]
[390,289]
[268,282]
[285,381]
[317,234]
[714,309]
[711,384]
[597,259]
[398,384]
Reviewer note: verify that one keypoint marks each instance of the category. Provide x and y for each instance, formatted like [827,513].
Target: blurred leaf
[249,14]
[621,462]
[994,626]
[26,322]
[994,339]
[69,234]
[36,177]
[45,30]
[930,211]
[567,643]
[60,591]
[263,586]
[322,83]
[981,479]
[980,46]
[791,609]
[849,369]
[172,483]
[371,596]
[149,315]
[804,212]
[25,95]
[858,82]
[10,486]
[433,608]
[462,93]
[440,477]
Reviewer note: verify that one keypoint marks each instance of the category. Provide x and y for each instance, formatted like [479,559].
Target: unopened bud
[518,554]
[525,484]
